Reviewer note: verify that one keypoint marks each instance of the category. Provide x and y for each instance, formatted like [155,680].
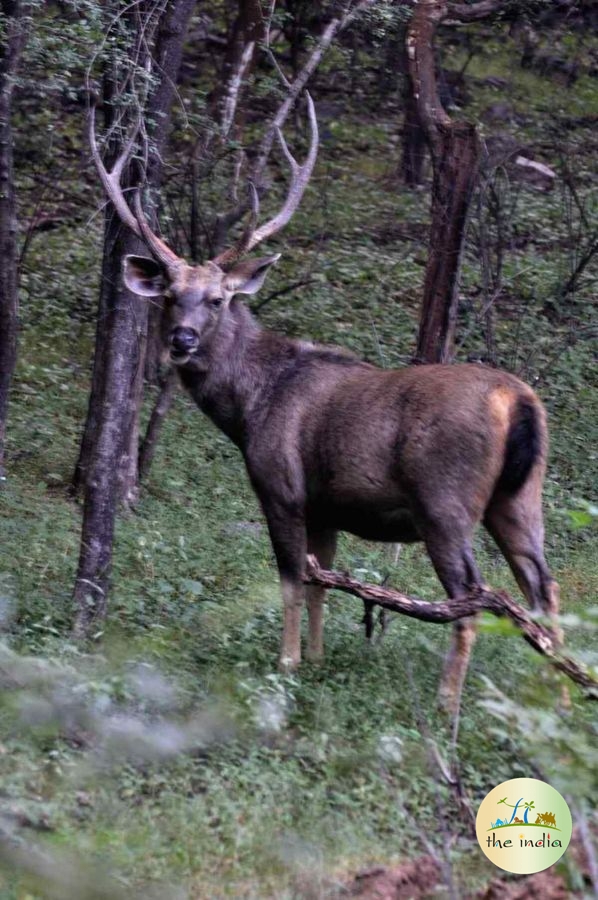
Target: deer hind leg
[452,557]
[323,545]
[515,523]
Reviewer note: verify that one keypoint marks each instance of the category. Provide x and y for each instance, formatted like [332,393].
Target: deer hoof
[287,664]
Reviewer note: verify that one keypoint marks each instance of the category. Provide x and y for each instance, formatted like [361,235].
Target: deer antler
[300,176]
[111,183]
[228,257]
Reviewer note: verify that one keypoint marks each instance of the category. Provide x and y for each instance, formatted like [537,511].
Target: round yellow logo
[523,825]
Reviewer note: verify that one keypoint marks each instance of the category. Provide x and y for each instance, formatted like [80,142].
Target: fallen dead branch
[499,603]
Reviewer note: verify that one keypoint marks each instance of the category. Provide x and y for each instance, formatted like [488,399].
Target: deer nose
[184,340]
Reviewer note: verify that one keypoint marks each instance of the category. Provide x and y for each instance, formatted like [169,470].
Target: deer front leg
[323,545]
[289,541]
[292,599]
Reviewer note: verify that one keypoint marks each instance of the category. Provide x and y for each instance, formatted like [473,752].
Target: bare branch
[271,56]
[585,259]
[293,91]
[234,88]
[295,88]
[544,640]
[286,289]
[158,414]
[422,65]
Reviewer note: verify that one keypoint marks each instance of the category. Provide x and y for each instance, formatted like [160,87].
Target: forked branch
[499,603]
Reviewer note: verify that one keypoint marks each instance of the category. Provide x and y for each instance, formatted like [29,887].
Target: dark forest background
[147,744]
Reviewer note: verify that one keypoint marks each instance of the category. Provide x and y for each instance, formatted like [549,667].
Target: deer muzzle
[183,342]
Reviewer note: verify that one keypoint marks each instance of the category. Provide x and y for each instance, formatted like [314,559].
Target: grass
[296,782]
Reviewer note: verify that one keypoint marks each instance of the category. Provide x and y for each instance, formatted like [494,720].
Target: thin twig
[285,289]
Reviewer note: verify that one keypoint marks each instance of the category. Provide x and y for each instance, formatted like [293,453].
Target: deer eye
[216,302]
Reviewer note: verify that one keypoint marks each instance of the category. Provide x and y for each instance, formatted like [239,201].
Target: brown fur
[332,443]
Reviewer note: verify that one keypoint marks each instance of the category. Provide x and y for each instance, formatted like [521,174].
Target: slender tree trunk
[454,148]
[413,136]
[11,48]
[413,139]
[108,279]
[455,159]
[167,55]
[226,108]
[109,468]
[169,49]
[102,479]
[161,407]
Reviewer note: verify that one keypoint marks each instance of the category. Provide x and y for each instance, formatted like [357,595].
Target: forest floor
[171,753]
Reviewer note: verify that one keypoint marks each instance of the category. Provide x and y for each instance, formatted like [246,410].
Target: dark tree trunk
[11,48]
[226,107]
[168,52]
[414,139]
[102,483]
[108,280]
[454,148]
[108,470]
[455,161]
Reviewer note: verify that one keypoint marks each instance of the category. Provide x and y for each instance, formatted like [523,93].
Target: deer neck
[227,378]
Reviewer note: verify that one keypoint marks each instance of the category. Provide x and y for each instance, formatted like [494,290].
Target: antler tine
[300,176]
[111,183]
[159,248]
[111,180]
[228,257]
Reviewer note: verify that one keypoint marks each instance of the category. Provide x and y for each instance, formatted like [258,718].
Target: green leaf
[580,518]
[492,625]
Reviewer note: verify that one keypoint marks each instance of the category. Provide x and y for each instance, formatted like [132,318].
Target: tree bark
[109,276]
[413,137]
[455,151]
[167,57]
[11,49]
[455,157]
[108,461]
[102,483]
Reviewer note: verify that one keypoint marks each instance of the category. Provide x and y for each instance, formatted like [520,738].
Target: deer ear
[143,276]
[248,276]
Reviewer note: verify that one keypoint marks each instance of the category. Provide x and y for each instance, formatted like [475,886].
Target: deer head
[197,297]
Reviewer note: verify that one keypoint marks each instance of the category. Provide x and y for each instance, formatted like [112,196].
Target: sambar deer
[332,443]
